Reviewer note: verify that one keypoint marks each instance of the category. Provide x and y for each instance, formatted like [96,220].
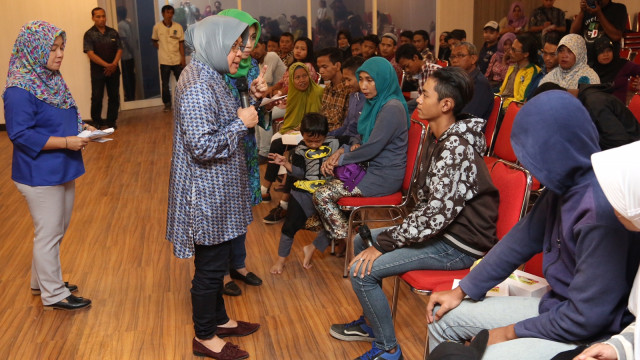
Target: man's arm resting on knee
[447,300]
[502,334]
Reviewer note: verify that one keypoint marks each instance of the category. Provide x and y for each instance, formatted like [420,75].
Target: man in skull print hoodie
[453,223]
[457,201]
[589,258]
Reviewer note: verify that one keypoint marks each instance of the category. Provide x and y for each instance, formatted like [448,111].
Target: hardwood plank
[116,252]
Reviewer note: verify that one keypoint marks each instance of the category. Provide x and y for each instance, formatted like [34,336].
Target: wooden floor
[116,252]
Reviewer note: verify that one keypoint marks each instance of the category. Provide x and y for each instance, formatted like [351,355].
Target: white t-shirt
[275,68]
[169,39]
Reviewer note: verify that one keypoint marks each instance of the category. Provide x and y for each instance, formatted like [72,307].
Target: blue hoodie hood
[553,137]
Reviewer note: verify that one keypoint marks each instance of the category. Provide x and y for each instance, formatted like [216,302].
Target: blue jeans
[466,320]
[432,254]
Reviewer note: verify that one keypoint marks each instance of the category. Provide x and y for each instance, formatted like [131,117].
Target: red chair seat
[393,199]
[433,280]
[490,161]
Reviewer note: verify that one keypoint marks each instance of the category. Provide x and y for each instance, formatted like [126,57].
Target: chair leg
[394,298]
[348,251]
[426,345]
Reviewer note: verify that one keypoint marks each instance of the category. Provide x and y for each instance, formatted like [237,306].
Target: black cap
[456,351]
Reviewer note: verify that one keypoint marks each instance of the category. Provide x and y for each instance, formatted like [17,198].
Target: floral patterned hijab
[28,66]
[580,72]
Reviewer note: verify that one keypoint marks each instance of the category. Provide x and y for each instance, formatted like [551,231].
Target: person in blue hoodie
[589,258]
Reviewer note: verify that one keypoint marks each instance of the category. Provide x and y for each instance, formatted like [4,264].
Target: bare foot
[214,344]
[229,324]
[308,254]
[277,268]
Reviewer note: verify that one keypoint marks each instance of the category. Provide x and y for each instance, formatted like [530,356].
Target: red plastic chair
[443,63]
[625,53]
[414,116]
[634,105]
[534,265]
[501,147]
[490,130]
[514,184]
[396,203]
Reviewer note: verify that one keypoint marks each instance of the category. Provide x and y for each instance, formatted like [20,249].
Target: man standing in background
[103,46]
[168,38]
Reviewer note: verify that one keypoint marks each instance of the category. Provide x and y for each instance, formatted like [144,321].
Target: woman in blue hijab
[383,127]
[209,199]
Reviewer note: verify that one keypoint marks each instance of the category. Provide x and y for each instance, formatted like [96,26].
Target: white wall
[454,14]
[74,16]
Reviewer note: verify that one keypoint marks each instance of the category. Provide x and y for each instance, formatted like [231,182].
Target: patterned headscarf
[520,22]
[580,72]
[387,88]
[28,66]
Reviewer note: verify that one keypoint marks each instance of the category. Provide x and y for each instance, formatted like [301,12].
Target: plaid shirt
[335,102]
[427,69]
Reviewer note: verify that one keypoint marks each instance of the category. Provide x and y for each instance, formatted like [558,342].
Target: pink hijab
[513,22]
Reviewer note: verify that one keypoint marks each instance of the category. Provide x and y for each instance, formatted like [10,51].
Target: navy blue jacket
[589,258]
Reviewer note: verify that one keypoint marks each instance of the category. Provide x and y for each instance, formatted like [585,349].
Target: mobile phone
[591,3]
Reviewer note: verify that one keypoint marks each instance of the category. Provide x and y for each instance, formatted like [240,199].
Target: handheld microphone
[243,90]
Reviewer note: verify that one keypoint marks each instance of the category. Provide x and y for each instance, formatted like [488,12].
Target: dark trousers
[128,79]
[211,263]
[238,252]
[276,147]
[98,83]
[165,73]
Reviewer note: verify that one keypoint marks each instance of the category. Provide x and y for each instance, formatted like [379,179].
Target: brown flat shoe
[229,351]
[243,329]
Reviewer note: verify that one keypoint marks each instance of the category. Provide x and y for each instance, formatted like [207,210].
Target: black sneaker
[276,215]
[354,331]
[266,197]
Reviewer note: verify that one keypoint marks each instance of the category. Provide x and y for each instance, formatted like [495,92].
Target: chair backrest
[443,63]
[502,145]
[634,105]
[514,184]
[625,53]
[534,265]
[490,129]
[417,137]
[414,116]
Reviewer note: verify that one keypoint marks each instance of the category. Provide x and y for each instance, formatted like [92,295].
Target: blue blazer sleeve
[20,109]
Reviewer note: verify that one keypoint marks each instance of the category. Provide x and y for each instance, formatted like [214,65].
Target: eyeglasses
[238,46]
[459,56]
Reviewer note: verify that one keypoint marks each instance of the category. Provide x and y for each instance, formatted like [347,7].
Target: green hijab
[245,64]
[300,102]
[387,88]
